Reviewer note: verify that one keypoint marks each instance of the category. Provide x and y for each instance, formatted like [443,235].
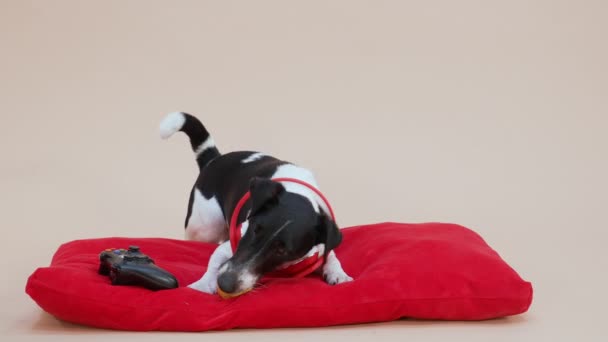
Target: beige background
[492,114]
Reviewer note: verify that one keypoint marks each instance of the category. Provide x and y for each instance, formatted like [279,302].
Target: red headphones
[300,269]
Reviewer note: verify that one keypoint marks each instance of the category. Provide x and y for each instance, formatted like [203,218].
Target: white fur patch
[172,123]
[297,172]
[209,143]
[224,267]
[244,227]
[247,280]
[253,157]
[206,223]
[320,248]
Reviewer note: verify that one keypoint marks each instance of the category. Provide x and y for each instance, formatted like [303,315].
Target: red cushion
[426,271]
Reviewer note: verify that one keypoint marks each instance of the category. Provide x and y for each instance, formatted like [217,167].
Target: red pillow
[426,271]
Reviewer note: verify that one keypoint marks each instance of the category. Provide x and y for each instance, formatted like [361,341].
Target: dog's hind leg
[205,221]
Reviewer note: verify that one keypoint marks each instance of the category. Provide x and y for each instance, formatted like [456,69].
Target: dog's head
[282,227]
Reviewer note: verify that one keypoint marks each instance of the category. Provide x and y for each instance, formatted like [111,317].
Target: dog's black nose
[227,282]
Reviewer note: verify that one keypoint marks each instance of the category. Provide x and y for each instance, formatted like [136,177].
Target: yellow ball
[225,295]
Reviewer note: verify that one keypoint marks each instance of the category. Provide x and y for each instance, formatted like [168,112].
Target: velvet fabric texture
[427,271]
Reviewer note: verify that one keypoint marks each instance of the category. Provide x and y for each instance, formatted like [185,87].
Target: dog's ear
[329,233]
[264,193]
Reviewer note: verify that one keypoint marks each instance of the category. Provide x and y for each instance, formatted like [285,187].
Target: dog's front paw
[207,284]
[336,276]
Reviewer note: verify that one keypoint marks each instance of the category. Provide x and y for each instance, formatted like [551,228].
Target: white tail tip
[172,123]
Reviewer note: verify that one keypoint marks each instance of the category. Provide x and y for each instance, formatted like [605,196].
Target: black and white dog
[282,222]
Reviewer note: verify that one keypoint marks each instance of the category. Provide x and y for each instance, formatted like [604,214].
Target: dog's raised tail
[201,141]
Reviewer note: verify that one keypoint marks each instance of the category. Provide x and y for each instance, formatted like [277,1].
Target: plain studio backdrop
[490,114]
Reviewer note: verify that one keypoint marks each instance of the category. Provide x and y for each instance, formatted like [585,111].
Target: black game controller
[132,267]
